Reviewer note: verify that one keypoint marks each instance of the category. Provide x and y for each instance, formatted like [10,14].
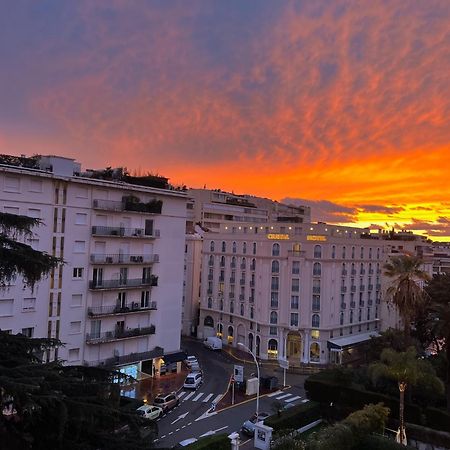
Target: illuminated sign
[278,237]
[314,237]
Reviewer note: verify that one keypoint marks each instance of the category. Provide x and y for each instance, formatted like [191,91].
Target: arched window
[253,264]
[362,252]
[233,262]
[242,309]
[315,321]
[244,247]
[276,249]
[353,269]
[378,253]
[351,316]
[353,252]
[209,302]
[272,349]
[251,312]
[231,307]
[254,248]
[234,247]
[211,246]
[221,304]
[208,322]
[250,341]
[317,269]
[341,319]
[222,261]
[243,264]
[219,329]
[344,270]
[370,252]
[275,267]
[273,318]
[230,331]
[333,252]
[370,269]
[317,251]
[224,247]
[361,269]
[314,352]
[211,260]
[343,252]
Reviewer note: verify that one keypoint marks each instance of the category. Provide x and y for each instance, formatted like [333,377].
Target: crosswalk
[287,398]
[196,396]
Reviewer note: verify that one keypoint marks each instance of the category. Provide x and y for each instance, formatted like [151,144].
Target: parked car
[248,427]
[191,360]
[185,443]
[193,380]
[150,412]
[195,367]
[213,343]
[166,401]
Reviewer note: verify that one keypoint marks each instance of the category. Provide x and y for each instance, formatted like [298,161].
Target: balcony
[251,299]
[233,265]
[252,267]
[118,258]
[370,302]
[343,289]
[124,232]
[378,287]
[108,336]
[352,304]
[316,290]
[252,284]
[344,273]
[315,307]
[127,359]
[209,291]
[296,253]
[353,271]
[343,305]
[123,284]
[241,297]
[232,280]
[129,203]
[361,304]
[353,288]
[242,266]
[133,307]
[231,295]
[210,276]
[362,272]
[221,279]
[242,282]
[362,288]
[370,271]
[370,287]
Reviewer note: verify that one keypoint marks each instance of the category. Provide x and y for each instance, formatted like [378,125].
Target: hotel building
[307,292]
[117,299]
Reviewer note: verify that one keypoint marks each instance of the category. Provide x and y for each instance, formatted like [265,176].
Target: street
[191,419]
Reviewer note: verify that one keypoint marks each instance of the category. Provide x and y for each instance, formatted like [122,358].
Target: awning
[174,357]
[350,341]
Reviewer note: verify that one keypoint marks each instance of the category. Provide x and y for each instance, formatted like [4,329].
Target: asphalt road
[189,419]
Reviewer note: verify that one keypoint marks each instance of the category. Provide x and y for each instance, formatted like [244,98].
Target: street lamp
[257,371]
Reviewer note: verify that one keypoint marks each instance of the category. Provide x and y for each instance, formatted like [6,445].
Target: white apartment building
[117,300]
[307,292]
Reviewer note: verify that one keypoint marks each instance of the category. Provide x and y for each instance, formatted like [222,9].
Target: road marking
[181,394]
[182,416]
[217,398]
[189,396]
[163,436]
[274,393]
[305,400]
[170,433]
[292,399]
[207,398]
[283,396]
[205,416]
[190,423]
[184,426]
[177,430]
[197,397]
[210,432]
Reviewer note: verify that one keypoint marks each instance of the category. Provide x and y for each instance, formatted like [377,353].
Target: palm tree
[438,290]
[404,292]
[406,370]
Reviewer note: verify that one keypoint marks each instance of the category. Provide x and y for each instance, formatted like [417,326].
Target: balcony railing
[124,284]
[231,295]
[210,276]
[117,309]
[343,305]
[97,338]
[252,267]
[343,289]
[298,253]
[118,258]
[241,297]
[127,359]
[252,284]
[251,299]
[151,207]
[242,282]
[362,288]
[353,271]
[353,288]
[378,287]
[232,280]
[124,232]
[344,273]
[370,287]
[242,266]
[316,290]
[352,304]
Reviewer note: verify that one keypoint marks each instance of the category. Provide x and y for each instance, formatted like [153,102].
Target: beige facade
[307,292]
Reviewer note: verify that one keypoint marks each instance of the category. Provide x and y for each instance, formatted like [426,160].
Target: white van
[213,343]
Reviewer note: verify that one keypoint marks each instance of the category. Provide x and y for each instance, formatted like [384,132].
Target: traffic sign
[284,363]
[238,373]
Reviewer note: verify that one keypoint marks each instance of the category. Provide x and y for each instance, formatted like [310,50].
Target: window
[317,251]
[316,303]
[74,354]
[333,252]
[275,267]
[254,245]
[272,348]
[222,261]
[77,300]
[274,299]
[233,262]
[273,317]
[6,307]
[362,252]
[273,331]
[234,247]
[75,327]
[242,309]
[314,352]
[294,319]
[28,332]
[211,246]
[79,246]
[295,287]
[35,186]
[211,260]
[343,252]
[353,252]
[378,253]
[29,304]
[276,249]
[209,302]
[145,299]
[35,213]
[295,267]
[77,272]
[294,301]
[317,269]
[12,183]
[275,284]
[341,318]
[251,312]
[224,247]
[316,286]
[315,321]
[244,247]
[370,252]
[80,219]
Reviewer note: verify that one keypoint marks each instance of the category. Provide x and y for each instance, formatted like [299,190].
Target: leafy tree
[18,258]
[438,290]
[60,407]
[404,292]
[390,338]
[288,442]
[336,437]
[405,369]
[371,419]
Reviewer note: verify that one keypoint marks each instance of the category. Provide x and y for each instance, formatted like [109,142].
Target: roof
[174,357]
[349,341]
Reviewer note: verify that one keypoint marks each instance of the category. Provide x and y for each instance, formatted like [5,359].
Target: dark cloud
[380,209]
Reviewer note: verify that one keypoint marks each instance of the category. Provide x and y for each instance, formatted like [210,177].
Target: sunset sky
[341,105]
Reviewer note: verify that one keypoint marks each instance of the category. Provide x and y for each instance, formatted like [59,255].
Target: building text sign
[315,237]
[278,237]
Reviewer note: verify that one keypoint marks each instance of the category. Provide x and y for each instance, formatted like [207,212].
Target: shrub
[376,442]
[370,419]
[337,437]
[438,418]
[295,417]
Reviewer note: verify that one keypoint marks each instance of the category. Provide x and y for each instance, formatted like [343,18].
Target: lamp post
[257,371]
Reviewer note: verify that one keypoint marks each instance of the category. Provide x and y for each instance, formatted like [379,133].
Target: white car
[195,367]
[191,360]
[193,380]
[150,412]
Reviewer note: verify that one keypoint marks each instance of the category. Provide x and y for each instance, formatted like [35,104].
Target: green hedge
[438,419]
[295,417]
[376,442]
[217,442]
[325,391]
